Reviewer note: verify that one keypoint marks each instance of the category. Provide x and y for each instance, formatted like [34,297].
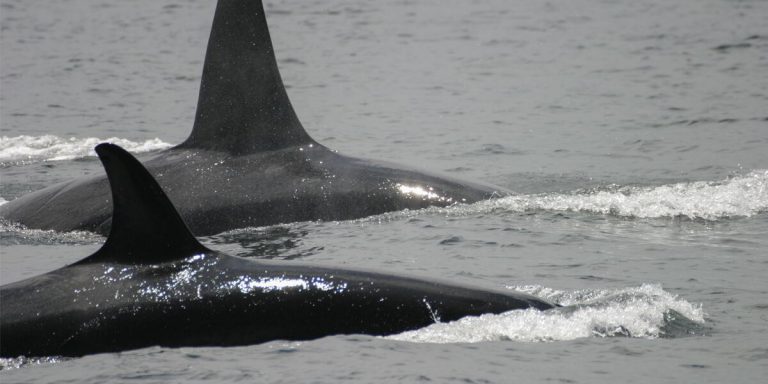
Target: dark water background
[633,133]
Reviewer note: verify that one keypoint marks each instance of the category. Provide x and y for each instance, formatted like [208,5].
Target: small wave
[643,312]
[24,149]
[741,196]
[17,234]
[19,362]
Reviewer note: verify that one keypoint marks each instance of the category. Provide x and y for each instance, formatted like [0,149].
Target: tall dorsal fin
[145,226]
[243,106]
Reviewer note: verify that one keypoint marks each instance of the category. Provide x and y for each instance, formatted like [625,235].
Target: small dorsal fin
[145,226]
[243,106]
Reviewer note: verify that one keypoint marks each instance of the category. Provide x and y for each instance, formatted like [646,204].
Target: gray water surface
[633,133]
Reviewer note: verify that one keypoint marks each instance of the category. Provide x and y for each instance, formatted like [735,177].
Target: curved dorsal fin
[243,106]
[145,226]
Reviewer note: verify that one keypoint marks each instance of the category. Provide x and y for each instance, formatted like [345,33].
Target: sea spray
[740,196]
[29,149]
[646,312]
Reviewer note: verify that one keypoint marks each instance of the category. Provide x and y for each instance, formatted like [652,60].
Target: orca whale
[153,283]
[249,161]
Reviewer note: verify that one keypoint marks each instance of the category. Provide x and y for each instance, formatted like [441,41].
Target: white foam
[22,361]
[636,312]
[14,233]
[53,148]
[740,196]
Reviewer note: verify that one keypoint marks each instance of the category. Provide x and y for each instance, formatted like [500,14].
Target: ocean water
[633,134]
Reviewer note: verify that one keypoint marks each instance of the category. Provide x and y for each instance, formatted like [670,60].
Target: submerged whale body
[249,161]
[153,283]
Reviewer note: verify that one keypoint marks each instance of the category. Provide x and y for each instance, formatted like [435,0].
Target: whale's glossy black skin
[215,191]
[248,160]
[213,299]
[153,283]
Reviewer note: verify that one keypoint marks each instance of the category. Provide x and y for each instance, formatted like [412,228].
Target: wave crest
[739,196]
[642,312]
[29,149]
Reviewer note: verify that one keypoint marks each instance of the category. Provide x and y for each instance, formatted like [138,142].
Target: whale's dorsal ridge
[243,106]
[146,228]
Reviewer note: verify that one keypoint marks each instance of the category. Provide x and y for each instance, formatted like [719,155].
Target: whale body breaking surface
[249,161]
[153,283]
